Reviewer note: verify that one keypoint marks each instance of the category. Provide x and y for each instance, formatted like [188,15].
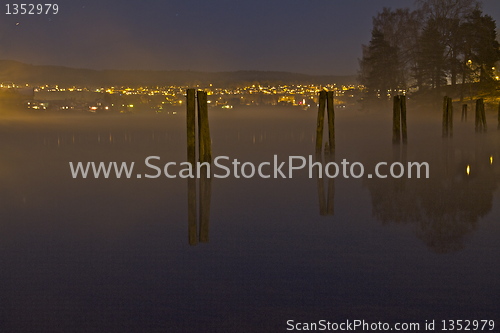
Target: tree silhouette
[380,65]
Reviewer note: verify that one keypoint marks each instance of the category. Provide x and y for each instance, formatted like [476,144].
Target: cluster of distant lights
[175,95]
[174,90]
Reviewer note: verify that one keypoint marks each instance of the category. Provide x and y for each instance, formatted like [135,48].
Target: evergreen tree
[430,71]
[484,49]
[401,28]
[379,66]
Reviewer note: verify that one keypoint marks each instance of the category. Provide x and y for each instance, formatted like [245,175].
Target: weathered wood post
[331,120]
[445,116]
[480,116]
[404,133]
[478,122]
[191,125]
[483,116]
[396,120]
[191,152]
[205,144]
[464,112]
[450,116]
[320,123]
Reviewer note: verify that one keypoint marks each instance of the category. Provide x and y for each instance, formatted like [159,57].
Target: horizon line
[180,70]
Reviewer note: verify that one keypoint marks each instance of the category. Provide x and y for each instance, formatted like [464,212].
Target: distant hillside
[17,72]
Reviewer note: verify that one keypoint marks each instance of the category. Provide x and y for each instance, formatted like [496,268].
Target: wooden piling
[483,116]
[191,125]
[404,133]
[450,117]
[205,144]
[320,123]
[478,122]
[331,120]
[464,112]
[481,125]
[191,157]
[396,120]
[445,116]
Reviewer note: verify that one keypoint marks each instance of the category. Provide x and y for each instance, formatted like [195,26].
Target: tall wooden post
[445,116]
[320,123]
[483,116]
[191,152]
[404,133]
[396,120]
[450,116]
[481,125]
[205,145]
[478,122]
[331,120]
[191,125]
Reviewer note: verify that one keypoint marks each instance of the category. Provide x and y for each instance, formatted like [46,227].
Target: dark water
[119,254]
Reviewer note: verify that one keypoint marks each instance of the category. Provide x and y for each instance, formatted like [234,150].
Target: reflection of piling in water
[192,224]
[326,99]
[205,155]
[326,203]
[447,117]
[480,116]
[205,198]
[326,206]
[399,128]
[330,202]
[321,197]
[464,112]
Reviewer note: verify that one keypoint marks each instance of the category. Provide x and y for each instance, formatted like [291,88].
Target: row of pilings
[198,136]
[480,116]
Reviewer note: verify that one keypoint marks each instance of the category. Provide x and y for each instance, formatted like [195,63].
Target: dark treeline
[443,43]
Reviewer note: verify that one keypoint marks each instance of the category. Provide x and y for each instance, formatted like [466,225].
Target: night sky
[306,36]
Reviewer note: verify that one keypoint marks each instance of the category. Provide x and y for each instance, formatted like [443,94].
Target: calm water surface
[126,255]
